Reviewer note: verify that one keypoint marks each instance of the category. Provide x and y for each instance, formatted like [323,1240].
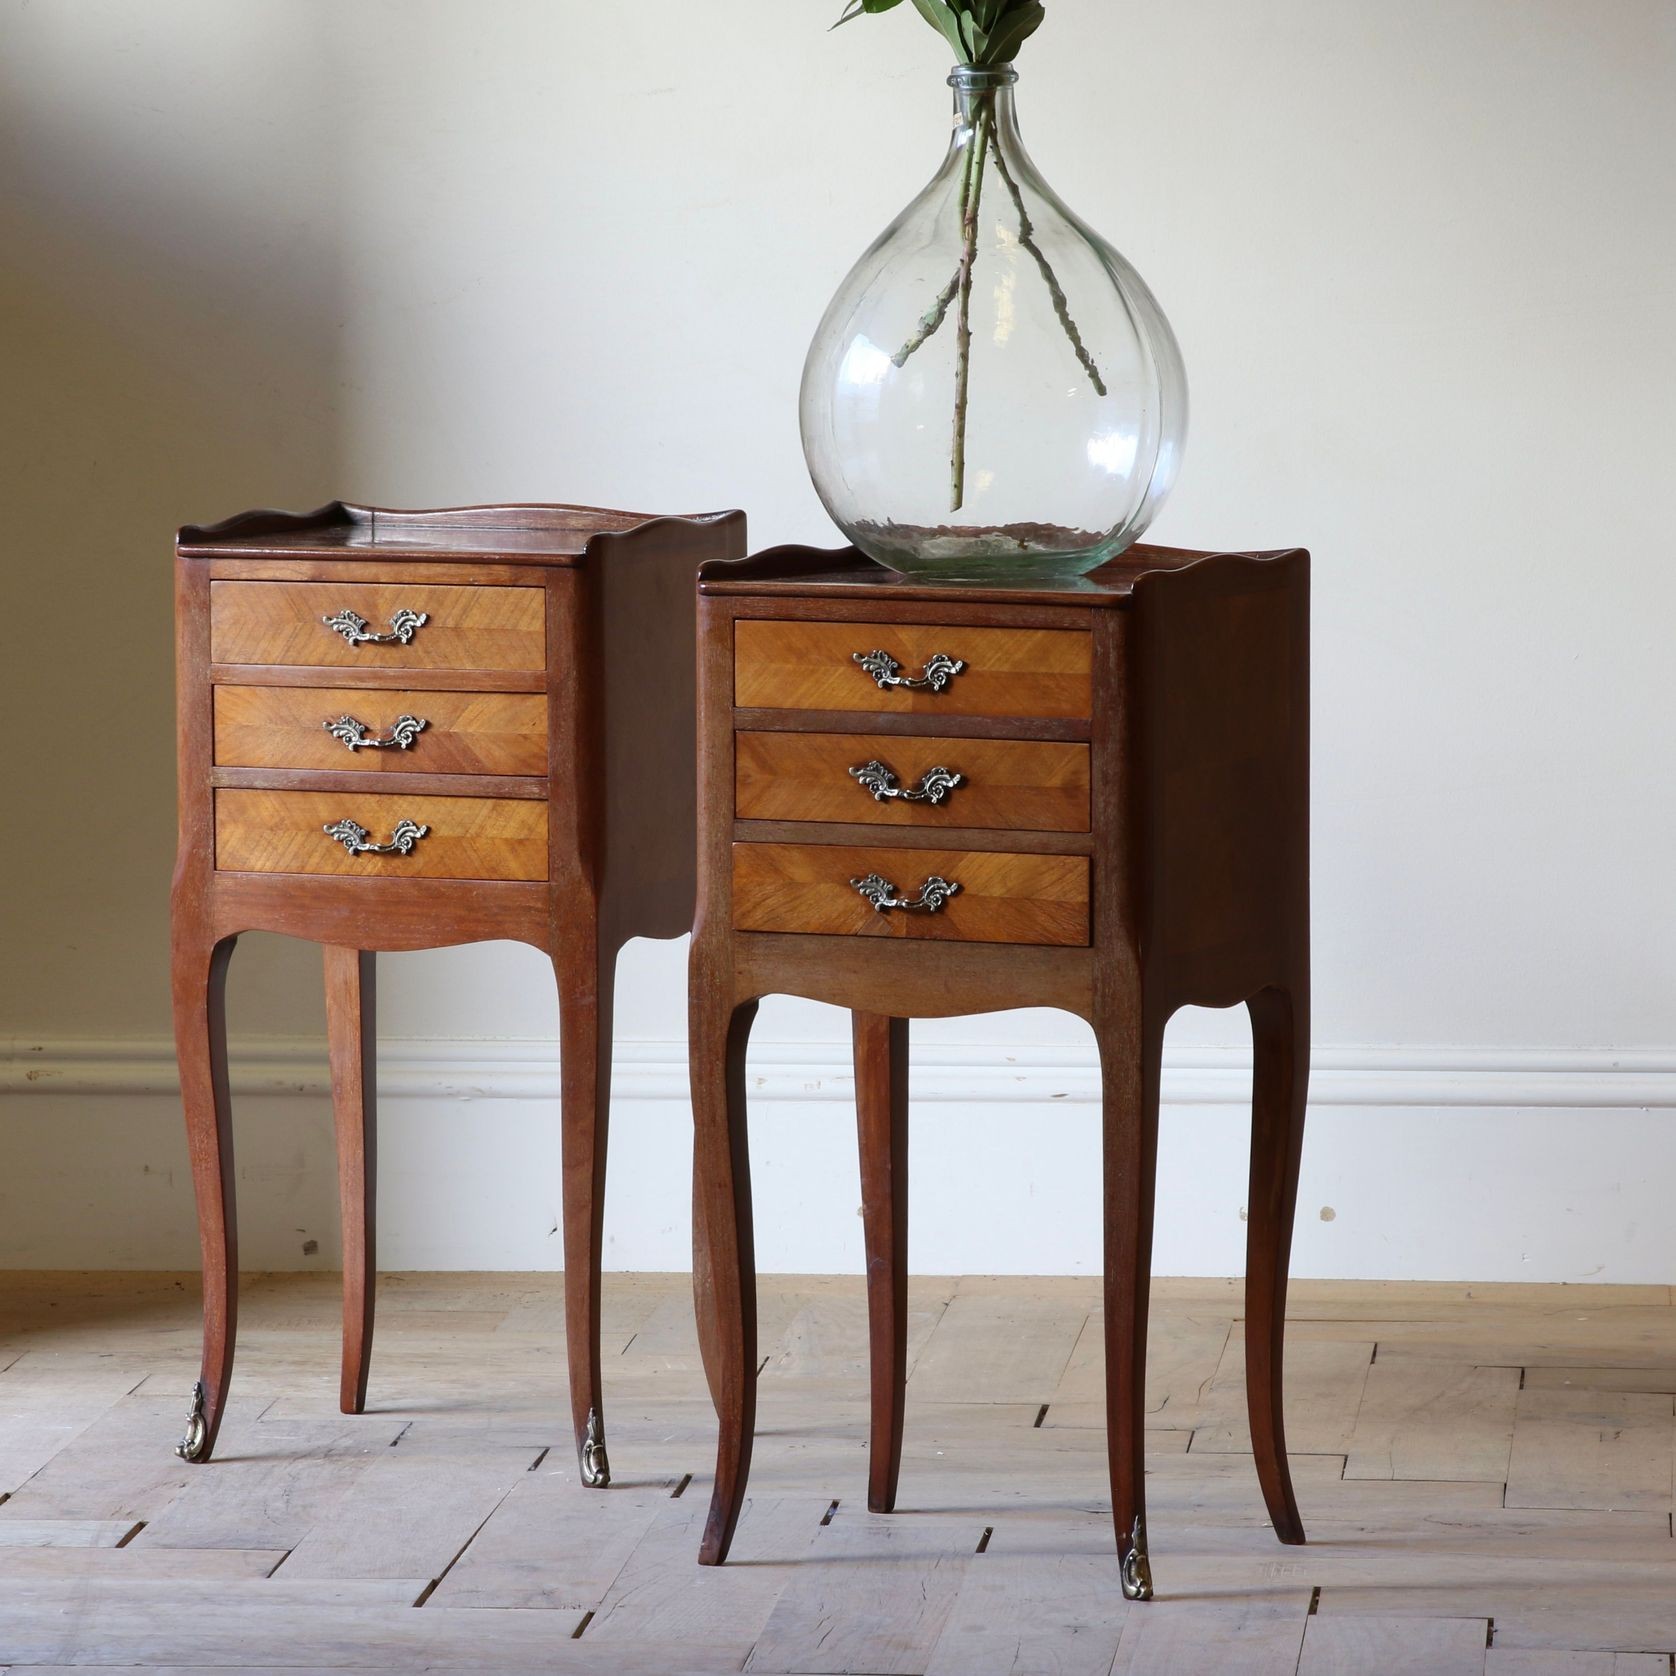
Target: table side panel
[643,632]
[1221,694]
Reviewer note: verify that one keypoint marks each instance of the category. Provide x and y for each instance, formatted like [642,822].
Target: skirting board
[1426,1164]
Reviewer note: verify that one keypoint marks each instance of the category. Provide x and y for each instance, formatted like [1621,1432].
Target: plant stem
[1061,306]
[932,318]
[970,198]
[984,132]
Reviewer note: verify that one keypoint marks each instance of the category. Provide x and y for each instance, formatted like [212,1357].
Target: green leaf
[860,8]
[1013,31]
[980,31]
[941,18]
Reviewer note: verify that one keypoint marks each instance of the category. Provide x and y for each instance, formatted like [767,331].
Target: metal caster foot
[596,1468]
[191,1447]
[1137,1569]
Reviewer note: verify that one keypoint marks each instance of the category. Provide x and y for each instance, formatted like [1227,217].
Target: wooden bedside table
[919,800]
[403,730]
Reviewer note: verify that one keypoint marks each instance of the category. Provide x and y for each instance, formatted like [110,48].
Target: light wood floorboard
[1486,1474]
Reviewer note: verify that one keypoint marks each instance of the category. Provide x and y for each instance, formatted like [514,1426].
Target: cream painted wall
[1422,263]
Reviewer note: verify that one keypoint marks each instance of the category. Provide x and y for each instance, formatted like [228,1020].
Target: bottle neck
[983,96]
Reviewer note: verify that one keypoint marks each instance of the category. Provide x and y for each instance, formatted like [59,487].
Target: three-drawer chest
[405,730]
[920,800]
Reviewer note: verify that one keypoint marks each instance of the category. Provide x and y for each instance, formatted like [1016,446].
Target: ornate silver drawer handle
[403,731]
[933,894]
[353,837]
[940,669]
[353,627]
[934,784]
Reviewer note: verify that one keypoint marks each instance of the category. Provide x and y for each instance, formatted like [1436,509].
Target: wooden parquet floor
[1486,1474]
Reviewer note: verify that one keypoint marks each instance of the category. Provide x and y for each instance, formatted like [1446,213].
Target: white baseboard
[1420,1163]
[1573,1078]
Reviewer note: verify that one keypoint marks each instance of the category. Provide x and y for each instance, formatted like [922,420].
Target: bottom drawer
[1002,897]
[462,837]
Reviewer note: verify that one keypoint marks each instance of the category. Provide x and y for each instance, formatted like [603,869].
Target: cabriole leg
[1130,1055]
[724,1253]
[586,992]
[1280,1092]
[351,1037]
[199,981]
[881,1103]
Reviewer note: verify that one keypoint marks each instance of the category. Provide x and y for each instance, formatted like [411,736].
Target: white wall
[1421,260]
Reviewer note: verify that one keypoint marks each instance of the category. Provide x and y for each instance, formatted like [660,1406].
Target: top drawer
[925,669]
[462,628]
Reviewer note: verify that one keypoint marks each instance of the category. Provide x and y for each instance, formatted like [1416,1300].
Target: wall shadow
[171,320]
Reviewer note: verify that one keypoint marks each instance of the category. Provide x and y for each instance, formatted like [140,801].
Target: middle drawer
[364,729]
[1020,785]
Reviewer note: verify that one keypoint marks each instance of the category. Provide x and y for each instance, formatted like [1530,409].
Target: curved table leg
[1280,1092]
[1131,1050]
[881,1104]
[587,977]
[724,1254]
[199,982]
[351,1038]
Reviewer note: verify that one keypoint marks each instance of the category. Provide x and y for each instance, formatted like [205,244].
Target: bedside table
[404,730]
[919,800]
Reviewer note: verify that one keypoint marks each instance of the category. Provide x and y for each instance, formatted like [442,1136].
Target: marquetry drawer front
[381,729]
[1031,673]
[831,890]
[415,837]
[911,780]
[377,625]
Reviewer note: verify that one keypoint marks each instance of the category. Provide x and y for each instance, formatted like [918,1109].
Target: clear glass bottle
[993,392]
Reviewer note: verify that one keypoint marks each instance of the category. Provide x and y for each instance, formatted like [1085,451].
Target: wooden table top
[846,573]
[521,534]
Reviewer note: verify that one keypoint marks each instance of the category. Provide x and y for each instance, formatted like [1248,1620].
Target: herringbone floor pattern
[1486,1474]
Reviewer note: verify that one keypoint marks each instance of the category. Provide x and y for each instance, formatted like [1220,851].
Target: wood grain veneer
[468,628]
[464,733]
[1003,898]
[1009,671]
[469,837]
[1017,785]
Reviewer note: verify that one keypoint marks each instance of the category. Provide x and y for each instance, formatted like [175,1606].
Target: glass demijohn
[993,392]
